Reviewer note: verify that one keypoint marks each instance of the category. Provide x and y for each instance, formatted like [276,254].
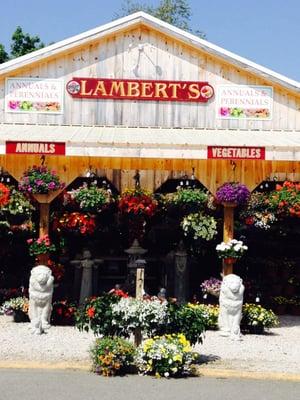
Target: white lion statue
[231,302]
[40,298]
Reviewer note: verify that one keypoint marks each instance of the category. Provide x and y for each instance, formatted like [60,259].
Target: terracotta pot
[42,259]
[229,260]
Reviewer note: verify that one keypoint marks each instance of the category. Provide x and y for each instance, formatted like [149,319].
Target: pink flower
[224,111]
[13,105]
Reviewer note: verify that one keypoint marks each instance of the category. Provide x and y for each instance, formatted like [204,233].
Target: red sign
[136,89]
[233,152]
[47,148]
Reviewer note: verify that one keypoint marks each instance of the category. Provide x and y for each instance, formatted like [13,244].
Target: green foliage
[256,315]
[175,12]
[96,314]
[23,43]
[167,355]
[18,205]
[112,356]
[199,226]
[90,198]
[187,319]
[3,54]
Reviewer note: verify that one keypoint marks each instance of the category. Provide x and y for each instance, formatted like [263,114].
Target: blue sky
[264,31]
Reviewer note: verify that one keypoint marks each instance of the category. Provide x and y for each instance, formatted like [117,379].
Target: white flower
[166,374]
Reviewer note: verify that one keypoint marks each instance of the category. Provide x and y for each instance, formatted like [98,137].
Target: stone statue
[40,298]
[231,302]
[181,273]
[87,264]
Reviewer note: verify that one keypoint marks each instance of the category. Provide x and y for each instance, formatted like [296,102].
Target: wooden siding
[118,56]
[212,173]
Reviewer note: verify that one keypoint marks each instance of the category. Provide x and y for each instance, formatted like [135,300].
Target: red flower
[90,312]
[4,195]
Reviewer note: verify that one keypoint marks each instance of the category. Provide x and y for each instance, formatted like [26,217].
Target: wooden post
[44,201]
[139,291]
[228,232]
[44,219]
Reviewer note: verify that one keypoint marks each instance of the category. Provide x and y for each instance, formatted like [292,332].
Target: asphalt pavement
[81,385]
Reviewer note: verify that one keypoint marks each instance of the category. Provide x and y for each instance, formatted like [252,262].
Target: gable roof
[155,23]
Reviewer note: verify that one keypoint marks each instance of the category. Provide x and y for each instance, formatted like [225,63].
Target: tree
[23,43]
[3,55]
[175,12]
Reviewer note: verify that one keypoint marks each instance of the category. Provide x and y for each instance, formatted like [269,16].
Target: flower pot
[229,260]
[231,204]
[20,316]
[42,259]
[255,329]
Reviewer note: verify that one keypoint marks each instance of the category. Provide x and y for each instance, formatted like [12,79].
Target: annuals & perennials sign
[244,102]
[34,95]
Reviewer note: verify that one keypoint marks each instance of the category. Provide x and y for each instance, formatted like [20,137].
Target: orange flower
[90,312]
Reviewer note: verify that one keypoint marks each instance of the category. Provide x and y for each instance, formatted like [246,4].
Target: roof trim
[150,21]
[108,141]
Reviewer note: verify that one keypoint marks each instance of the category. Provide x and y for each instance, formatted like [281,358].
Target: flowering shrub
[211,315]
[164,356]
[211,286]
[234,249]
[39,179]
[256,315]
[15,304]
[137,202]
[75,222]
[130,313]
[96,315]
[63,313]
[233,192]
[90,198]
[187,319]
[199,226]
[4,195]
[112,356]
[41,245]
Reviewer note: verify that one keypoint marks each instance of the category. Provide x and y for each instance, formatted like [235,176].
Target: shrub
[187,319]
[112,356]
[147,315]
[96,314]
[167,355]
[256,315]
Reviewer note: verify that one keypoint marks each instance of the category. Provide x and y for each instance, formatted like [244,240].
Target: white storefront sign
[244,102]
[34,95]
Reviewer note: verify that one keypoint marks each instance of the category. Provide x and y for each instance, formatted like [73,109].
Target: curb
[199,371]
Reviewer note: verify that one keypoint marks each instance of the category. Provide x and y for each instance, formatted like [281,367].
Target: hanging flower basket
[232,194]
[40,180]
[75,223]
[231,250]
[4,195]
[88,198]
[137,201]
[40,246]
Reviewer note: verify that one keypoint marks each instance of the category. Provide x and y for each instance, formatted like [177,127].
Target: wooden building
[140,94]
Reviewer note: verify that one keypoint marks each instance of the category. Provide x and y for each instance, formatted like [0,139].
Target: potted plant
[199,226]
[4,195]
[75,223]
[231,251]
[112,356]
[165,356]
[233,193]
[40,248]
[256,318]
[17,209]
[211,286]
[89,198]
[40,180]
[17,306]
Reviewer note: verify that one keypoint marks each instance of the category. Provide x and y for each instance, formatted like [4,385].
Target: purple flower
[38,182]
[13,105]
[224,111]
[233,192]
[51,185]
